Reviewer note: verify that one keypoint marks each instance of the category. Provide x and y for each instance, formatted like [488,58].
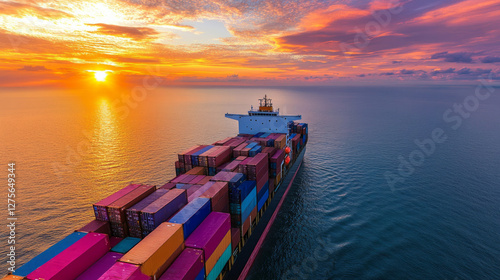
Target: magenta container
[73,261]
[209,233]
[186,267]
[100,267]
[124,271]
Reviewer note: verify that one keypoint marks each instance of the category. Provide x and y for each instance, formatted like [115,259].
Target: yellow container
[210,263]
[156,252]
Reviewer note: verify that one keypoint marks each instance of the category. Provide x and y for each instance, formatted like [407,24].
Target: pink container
[75,259]
[124,271]
[186,267]
[100,267]
[209,233]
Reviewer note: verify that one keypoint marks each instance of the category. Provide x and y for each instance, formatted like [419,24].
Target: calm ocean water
[341,219]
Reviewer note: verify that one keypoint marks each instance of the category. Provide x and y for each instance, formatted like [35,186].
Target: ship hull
[244,260]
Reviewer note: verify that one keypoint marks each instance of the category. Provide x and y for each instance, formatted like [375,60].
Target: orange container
[12,277]
[198,170]
[156,252]
[212,260]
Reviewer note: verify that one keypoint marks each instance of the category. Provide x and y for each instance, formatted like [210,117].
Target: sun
[100,76]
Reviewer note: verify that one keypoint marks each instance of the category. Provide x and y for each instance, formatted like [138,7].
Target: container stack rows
[189,228]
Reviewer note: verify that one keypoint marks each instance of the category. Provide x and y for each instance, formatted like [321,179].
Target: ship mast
[266,104]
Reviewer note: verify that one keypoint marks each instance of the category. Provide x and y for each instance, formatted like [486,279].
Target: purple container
[210,233]
[133,213]
[100,267]
[75,259]
[186,267]
[162,209]
[124,271]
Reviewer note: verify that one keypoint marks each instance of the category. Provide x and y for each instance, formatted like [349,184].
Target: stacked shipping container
[210,207]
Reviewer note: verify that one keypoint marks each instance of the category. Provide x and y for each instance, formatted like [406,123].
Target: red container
[74,260]
[197,179]
[262,181]
[221,205]
[219,156]
[185,156]
[100,208]
[187,266]
[124,271]
[235,238]
[237,150]
[210,233]
[97,226]
[241,158]
[191,190]
[217,192]
[179,178]
[168,186]
[116,210]
[223,141]
[205,180]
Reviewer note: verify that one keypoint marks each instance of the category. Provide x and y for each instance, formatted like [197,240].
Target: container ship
[208,222]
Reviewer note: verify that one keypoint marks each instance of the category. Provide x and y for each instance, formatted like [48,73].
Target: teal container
[125,245]
[219,265]
[48,254]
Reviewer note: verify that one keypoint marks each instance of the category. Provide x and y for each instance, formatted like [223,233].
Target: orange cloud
[20,9]
[135,33]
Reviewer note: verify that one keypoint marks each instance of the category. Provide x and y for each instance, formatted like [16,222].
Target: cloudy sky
[60,43]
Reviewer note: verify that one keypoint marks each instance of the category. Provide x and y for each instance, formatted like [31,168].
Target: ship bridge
[265,119]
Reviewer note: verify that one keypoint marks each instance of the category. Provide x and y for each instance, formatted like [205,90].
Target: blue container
[258,134]
[236,180]
[212,171]
[125,245]
[251,145]
[195,159]
[263,200]
[48,254]
[270,143]
[264,135]
[263,190]
[220,264]
[249,204]
[237,195]
[192,215]
[201,276]
[254,151]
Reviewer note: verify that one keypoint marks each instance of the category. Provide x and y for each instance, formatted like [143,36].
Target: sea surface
[368,203]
